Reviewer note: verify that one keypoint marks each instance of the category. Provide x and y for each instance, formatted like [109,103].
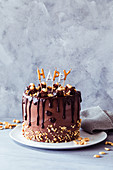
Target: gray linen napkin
[94,119]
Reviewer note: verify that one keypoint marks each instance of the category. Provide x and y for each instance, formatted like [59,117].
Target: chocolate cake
[51,114]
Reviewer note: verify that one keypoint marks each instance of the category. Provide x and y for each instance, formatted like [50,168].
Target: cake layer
[51,119]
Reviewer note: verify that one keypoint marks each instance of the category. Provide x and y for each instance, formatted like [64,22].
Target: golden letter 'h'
[40,73]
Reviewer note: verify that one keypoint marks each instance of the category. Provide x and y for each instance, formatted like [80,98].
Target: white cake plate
[16,135]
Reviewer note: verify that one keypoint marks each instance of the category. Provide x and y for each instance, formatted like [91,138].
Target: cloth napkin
[95,119]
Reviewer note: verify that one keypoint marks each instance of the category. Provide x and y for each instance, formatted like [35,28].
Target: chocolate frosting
[40,112]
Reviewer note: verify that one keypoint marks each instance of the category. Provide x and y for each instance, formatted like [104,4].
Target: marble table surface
[16,156]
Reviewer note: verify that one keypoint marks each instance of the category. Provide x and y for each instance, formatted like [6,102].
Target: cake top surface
[42,90]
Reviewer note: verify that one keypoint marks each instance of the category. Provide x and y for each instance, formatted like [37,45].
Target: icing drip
[72,109]
[64,109]
[43,111]
[30,103]
[25,114]
[22,107]
[58,106]
[78,108]
[50,103]
[38,103]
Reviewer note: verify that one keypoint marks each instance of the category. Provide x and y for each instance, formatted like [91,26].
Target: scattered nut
[10,126]
[108,143]
[1,127]
[14,120]
[5,123]
[80,138]
[6,126]
[107,149]
[102,153]
[75,142]
[86,139]
[13,125]
[17,121]
[27,137]
[81,143]
[96,156]
[1,123]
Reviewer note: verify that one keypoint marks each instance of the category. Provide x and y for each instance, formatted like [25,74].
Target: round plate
[16,135]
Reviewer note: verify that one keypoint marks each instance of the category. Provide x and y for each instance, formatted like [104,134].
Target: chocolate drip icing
[35,100]
[38,103]
[50,103]
[79,93]
[78,109]
[30,103]
[25,114]
[43,111]
[22,107]
[64,109]
[68,100]
[58,106]
[72,109]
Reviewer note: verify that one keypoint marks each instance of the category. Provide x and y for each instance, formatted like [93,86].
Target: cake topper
[55,75]
[65,75]
[49,77]
[40,74]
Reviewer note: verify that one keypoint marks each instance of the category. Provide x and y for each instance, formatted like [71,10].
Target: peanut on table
[7,125]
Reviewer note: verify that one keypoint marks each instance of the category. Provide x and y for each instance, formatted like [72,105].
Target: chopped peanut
[10,127]
[17,121]
[108,143]
[13,125]
[75,142]
[80,138]
[14,120]
[81,143]
[107,149]
[102,153]
[96,156]
[1,127]
[86,139]
[5,123]
[6,126]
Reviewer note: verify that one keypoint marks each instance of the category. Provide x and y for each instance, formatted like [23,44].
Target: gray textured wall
[66,34]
